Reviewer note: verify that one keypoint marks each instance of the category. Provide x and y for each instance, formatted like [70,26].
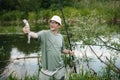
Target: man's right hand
[26,30]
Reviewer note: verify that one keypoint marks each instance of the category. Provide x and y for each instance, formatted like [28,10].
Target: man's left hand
[71,52]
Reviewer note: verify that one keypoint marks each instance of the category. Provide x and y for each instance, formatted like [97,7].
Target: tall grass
[84,75]
[34,77]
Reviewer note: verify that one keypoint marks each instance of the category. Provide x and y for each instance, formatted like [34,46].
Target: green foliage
[11,77]
[68,60]
[11,15]
[108,74]
[105,74]
[1,54]
[31,15]
[11,29]
[88,27]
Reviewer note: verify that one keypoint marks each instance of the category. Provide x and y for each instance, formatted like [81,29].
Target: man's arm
[33,35]
[26,30]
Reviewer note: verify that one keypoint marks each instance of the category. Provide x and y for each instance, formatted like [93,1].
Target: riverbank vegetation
[76,12]
[92,22]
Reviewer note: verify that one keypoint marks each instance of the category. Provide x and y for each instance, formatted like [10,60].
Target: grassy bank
[105,74]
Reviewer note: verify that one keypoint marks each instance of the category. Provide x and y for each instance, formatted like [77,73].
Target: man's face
[54,25]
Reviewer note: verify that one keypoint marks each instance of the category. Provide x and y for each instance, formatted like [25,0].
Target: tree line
[30,5]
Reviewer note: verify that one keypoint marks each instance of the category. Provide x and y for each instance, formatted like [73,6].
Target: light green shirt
[51,47]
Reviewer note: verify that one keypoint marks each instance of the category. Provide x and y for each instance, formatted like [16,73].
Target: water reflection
[94,62]
[15,46]
[21,67]
[16,53]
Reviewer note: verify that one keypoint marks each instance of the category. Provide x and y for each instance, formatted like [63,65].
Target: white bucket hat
[57,19]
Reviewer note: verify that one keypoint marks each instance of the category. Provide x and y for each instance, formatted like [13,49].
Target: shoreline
[11,33]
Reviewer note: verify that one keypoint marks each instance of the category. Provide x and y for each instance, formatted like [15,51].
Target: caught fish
[27,25]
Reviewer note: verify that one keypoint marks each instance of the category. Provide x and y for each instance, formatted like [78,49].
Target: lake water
[16,46]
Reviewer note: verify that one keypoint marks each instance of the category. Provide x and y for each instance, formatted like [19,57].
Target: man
[52,45]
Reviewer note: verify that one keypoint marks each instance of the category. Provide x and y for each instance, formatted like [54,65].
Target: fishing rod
[66,29]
